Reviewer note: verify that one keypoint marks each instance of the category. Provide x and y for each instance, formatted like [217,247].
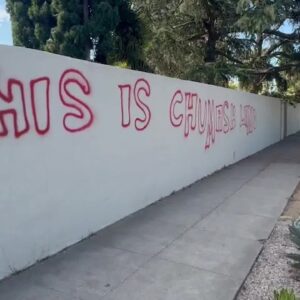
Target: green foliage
[284,294]
[256,15]
[109,29]
[201,40]
[295,238]
[67,36]
[233,85]
[215,41]
[276,60]
[185,38]
[23,29]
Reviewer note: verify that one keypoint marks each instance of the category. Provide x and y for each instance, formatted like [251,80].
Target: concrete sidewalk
[198,244]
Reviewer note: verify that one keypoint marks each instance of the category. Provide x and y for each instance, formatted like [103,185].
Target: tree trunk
[210,53]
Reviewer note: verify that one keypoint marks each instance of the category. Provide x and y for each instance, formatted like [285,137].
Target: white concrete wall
[82,164]
[293,119]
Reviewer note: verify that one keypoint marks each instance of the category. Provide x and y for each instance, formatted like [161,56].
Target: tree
[23,29]
[214,41]
[187,36]
[108,29]
[277,55]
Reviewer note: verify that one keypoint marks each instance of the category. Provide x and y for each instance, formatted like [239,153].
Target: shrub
[284,294]
[295,238]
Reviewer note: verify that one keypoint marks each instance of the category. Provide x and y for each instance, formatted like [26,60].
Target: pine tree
[107,29]
[214,41]
[22,25]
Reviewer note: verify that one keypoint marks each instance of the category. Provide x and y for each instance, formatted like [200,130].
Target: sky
[5,26]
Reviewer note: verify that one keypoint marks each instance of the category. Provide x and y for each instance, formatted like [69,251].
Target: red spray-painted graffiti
[14,105]
[38,117]
[192,113]
[248,118]
[141,87]
[78,118]
[82,110]
[186,110]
